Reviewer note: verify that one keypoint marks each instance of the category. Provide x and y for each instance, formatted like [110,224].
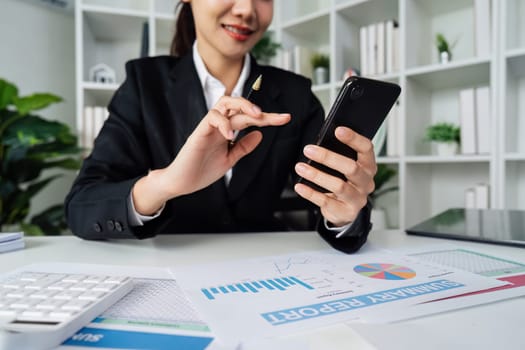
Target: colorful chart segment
[273,284]
[385,271]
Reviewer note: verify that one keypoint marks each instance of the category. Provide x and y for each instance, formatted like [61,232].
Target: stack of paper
[11,241]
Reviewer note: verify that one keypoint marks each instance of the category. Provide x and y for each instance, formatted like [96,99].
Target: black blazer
[151,116]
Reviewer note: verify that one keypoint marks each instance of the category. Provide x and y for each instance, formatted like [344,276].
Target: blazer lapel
[185,98]
[248,167]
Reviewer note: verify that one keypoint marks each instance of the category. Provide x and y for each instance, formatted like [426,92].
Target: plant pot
[444,57]
[320,75]
[378,219]
[446,149]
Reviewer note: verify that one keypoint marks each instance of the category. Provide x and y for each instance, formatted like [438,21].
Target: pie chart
[385,271]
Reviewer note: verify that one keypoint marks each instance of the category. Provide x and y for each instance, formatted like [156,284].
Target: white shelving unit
[110,31]
[429,183]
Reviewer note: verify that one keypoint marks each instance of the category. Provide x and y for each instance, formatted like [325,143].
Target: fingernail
[300,168]
[342,132]
[310,151]
[284,115]
[256,109]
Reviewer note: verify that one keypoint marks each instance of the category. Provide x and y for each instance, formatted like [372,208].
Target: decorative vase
[320,75]
[378,219]
[444,57]
[446,149]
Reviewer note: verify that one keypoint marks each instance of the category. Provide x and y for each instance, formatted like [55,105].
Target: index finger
[227,103]
[362,145]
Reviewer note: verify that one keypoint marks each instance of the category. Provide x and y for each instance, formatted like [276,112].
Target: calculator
[40,310]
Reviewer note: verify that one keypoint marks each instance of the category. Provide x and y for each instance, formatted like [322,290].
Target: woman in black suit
[163,161]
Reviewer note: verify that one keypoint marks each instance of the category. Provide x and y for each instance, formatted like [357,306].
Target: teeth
[237,30]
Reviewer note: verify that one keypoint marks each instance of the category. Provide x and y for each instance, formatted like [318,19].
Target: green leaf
[8,93]
[33,102]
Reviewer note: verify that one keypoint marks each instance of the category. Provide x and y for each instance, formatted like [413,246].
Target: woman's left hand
[345,198]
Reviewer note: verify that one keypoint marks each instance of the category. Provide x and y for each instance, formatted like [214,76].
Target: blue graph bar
[271,284]
[276,285]
[241,288]
[250,287]
[301,282]
[264,283]
[281,282]
[207,293]
[288,280]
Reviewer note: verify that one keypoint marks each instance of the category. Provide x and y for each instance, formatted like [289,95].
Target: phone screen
[361,105]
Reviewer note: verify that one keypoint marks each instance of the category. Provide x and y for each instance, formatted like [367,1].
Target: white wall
[37,53]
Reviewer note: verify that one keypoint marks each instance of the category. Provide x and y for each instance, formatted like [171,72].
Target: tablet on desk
[496,226]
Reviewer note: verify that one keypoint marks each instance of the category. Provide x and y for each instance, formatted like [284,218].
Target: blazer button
[110,224]
[118,226]
[97,227]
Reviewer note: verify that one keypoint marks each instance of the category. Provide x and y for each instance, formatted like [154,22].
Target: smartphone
[362,105]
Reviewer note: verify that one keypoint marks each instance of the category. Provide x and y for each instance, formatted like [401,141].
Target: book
[301,57]
[482,27]
[482,196]
[144,43]
[372,49]
[89,115]
[363,47]
[470,198]
[98,120]
[389,46]
[393,138]
[10,241]
[380,38]
[483,120]
[467,120]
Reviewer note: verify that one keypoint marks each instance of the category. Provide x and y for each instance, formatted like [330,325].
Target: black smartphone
[362,105]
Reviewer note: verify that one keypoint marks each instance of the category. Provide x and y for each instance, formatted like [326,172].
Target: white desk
[498,325]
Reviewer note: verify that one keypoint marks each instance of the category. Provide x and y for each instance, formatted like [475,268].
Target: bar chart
[278,284]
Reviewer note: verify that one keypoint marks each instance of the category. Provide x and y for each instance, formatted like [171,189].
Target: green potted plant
[446,136]
[30,144]
[443,48]
[265,49]
[320,65]
[383,175]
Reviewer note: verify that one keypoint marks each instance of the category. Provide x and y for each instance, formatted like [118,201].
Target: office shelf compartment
[515,105]
[514,12]
[515,184]
[425,18]
[432,96]
[111,39]
[426,184]
[390,201]
[349,18]
[295,9]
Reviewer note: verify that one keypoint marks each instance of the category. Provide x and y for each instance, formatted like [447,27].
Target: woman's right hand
[207,155]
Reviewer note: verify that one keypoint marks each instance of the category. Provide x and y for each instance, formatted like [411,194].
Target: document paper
[272,296]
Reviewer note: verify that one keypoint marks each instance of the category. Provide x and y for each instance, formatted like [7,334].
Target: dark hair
[184,30]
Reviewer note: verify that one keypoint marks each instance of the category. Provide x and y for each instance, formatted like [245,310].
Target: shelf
[120,6]
[514,12]
[112,25]
[309,31]
[514,185]
[515,53]
[451,159]
[96,94]
[301,9]
[466,72]
[367,12]
[514,157]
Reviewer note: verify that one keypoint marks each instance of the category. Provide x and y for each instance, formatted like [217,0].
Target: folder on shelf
[482,27]
[363,47]
[380,32]
[483,119]
[467,115]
